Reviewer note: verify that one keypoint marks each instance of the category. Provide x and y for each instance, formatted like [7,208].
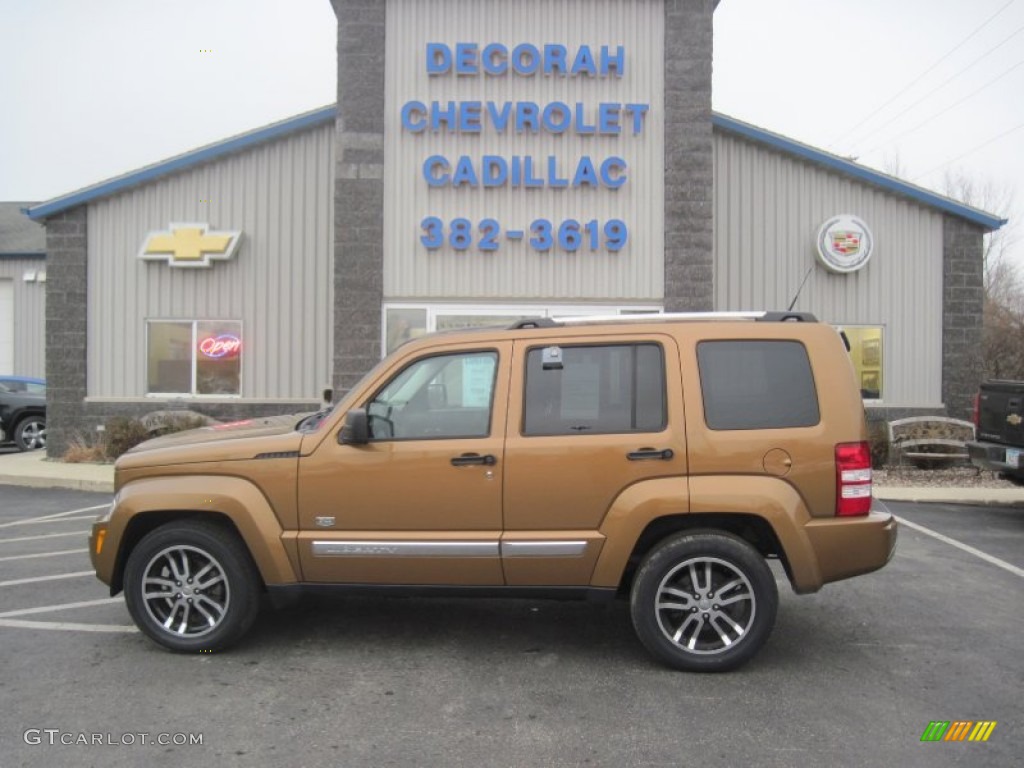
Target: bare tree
[1003,325]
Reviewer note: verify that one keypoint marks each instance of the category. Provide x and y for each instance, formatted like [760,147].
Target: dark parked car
[999,421]
[23,412]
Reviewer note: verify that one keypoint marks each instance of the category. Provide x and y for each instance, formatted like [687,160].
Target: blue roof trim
[889,183]
[181,162]
[22,254]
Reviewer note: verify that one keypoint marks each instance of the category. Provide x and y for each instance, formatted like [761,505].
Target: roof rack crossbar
[533,322]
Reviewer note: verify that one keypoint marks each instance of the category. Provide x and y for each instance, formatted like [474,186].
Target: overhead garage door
[6,326]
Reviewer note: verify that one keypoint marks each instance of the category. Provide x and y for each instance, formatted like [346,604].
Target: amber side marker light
[100,536]
[853,479]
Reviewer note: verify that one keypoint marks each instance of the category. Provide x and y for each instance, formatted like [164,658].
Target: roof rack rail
[771,317]
[661,317]
[656,317]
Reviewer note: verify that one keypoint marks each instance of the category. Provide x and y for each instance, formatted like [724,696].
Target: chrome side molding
[420,548]
[379,548]
[543,548]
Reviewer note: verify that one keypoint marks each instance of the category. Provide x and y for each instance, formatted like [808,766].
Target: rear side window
[589,390]
[757,385]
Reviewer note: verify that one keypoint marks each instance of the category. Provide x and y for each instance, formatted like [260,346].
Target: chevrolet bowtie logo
[189,245]
[1014,419]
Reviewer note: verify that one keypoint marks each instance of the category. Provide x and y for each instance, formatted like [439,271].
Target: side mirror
[356,430]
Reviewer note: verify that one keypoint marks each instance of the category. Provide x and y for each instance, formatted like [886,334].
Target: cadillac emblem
[844,244]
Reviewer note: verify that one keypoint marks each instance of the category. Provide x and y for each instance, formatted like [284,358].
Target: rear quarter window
[757,385]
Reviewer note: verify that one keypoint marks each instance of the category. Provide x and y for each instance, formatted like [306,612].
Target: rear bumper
[851,546]
[992,457]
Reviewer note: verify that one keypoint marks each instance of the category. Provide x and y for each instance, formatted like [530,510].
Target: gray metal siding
[516,271]
[279,284]
[29,315]
[768,209]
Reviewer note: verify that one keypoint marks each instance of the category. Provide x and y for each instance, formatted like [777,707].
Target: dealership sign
[487,66]
[190,244]
[844,244]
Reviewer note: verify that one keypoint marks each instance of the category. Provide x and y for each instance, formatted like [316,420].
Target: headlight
[106,514]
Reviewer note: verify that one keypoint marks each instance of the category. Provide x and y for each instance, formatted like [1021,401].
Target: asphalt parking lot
[851,676]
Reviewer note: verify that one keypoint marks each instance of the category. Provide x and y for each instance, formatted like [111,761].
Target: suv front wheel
[704,602]
[192,587]
[30,434]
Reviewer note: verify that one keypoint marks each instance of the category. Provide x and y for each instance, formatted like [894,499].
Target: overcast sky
[89,90]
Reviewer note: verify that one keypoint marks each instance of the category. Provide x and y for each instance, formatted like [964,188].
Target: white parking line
[44,536]
[66,626]
[75,575]
[42,554]
[55,515]
[56,520]
[61,607]
[965,547]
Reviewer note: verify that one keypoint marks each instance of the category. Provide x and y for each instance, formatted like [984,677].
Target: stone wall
[963,297]
[689,202]
[358,191]
[66,296]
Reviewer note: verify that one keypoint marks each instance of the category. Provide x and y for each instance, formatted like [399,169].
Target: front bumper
[851,546]
[994,457]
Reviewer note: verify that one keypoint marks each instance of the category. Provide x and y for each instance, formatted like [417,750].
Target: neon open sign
[218,347]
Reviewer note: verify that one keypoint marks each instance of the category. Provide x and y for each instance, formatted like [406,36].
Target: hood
[235,441]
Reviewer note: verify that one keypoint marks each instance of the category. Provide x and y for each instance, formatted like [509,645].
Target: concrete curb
[966,496]
[34,470]
[71,483]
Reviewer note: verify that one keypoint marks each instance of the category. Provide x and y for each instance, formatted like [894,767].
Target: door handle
[647,454]
[467,459]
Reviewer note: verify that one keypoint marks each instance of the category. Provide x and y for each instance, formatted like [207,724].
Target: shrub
[878,437]
[123,434]
[80,451]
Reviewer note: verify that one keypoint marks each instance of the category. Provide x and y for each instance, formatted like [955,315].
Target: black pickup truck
[999,422]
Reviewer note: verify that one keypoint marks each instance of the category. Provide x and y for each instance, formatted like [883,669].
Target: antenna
[803,282]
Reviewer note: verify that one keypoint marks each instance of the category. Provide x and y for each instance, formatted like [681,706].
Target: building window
[403,322]
[757,385]
[591,390]
[866,353]
[438,397]
[194,357]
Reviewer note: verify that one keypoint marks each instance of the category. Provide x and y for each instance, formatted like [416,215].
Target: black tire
[30,434]
[210,613]
[703,634]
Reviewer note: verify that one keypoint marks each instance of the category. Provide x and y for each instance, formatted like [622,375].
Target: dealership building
[22,293]
[489,160]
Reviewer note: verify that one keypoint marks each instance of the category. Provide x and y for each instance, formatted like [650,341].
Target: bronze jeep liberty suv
[663,458]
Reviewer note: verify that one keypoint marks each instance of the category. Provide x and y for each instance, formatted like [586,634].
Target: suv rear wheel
[704,602]
[191,587]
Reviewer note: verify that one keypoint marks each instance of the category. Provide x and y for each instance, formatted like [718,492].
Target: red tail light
[976,414]
[853,479]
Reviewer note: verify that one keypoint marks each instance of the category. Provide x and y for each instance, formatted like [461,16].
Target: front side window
[194,357]
[589,390]
[757,385]
[444,396]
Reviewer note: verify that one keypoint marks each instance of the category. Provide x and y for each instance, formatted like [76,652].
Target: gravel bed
[962,477]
